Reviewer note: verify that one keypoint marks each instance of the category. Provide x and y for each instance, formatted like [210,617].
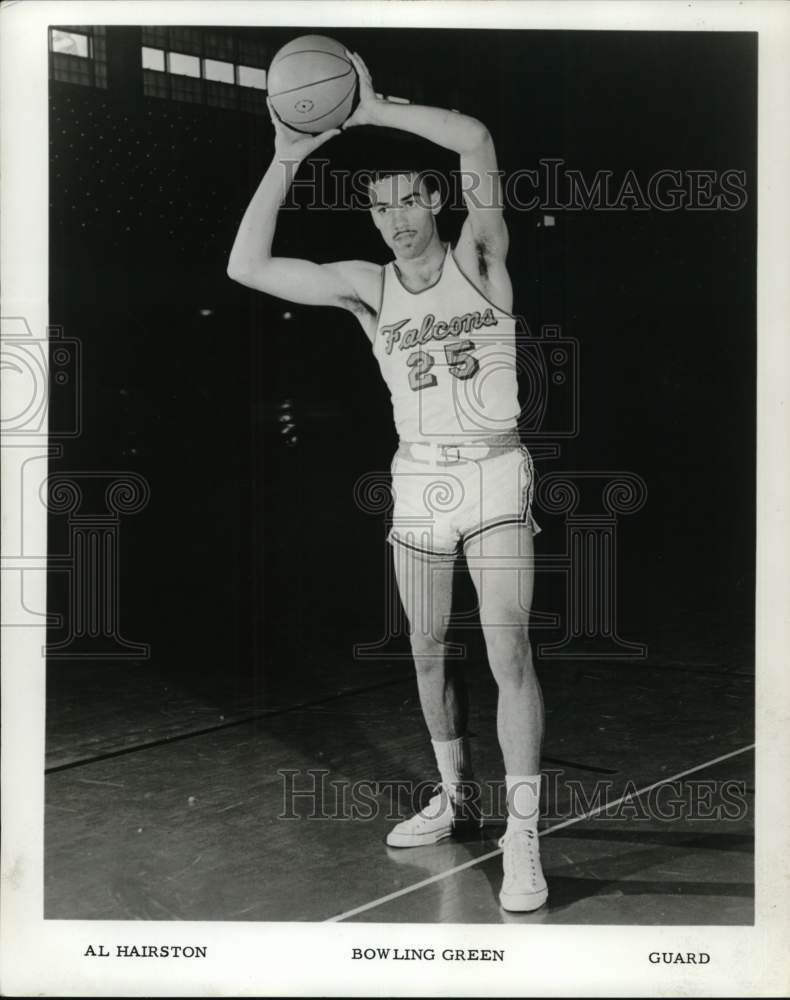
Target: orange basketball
[311,83]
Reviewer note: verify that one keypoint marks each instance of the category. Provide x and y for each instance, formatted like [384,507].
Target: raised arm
[251,262]
[462,134]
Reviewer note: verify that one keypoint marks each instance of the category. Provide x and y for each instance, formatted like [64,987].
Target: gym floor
[165,802]
[258,560]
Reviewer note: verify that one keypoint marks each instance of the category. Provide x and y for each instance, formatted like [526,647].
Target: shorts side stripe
[424,552]
[526,506]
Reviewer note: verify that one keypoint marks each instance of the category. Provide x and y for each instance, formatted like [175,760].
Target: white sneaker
[434,822]
[523,887]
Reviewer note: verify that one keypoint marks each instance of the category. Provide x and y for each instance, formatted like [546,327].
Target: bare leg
[426,587]
[501,563]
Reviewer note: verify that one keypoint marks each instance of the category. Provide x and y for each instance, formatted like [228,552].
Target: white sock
[454,762]
[523,801]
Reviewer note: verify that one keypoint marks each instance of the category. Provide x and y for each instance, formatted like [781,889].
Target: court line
[557,826]
[266,713]
[596,769]
[260,715]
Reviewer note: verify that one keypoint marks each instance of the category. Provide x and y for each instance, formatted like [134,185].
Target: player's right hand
[292,145]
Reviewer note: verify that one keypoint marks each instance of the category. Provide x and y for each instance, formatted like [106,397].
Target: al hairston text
[146,951]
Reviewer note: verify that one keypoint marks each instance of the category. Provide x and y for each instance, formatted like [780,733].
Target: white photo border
[46,958]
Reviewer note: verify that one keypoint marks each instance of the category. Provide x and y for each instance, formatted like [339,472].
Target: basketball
[311,84]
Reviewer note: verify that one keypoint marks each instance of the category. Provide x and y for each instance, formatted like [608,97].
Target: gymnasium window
[154,59]
[183,65]
[249,76]
[78,54]
[72,43]
[205,66]
[216,69]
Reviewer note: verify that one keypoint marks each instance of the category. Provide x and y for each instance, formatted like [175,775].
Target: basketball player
[440,324]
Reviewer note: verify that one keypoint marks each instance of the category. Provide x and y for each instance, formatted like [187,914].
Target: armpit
[481,257]
[357,306]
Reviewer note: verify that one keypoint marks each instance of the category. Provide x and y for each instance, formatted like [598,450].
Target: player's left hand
[369,100]
[291,144]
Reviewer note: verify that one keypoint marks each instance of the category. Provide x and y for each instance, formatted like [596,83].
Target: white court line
[558,826]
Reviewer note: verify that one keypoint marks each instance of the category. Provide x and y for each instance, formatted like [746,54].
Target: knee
[509,655]
[428,652]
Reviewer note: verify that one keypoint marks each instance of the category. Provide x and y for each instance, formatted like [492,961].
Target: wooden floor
[165,797]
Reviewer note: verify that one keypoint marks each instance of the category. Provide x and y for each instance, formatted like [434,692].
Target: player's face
[403,212]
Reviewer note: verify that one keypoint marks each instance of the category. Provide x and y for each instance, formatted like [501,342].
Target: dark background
[252,555]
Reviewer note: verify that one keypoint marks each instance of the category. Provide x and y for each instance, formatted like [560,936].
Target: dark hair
[427,176]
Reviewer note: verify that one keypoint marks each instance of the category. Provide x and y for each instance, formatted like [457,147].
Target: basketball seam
[304,86]
[311,121]
[321,52]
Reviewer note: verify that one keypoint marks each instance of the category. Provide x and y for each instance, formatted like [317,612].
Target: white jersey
[448,356]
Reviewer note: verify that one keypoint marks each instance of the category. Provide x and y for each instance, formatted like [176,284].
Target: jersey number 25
[459,361]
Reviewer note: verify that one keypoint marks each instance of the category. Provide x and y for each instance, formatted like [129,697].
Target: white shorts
[442,504]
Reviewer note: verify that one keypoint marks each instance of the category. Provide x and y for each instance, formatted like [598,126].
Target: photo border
[294,959]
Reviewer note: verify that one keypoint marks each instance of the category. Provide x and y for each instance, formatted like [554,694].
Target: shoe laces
[521,853]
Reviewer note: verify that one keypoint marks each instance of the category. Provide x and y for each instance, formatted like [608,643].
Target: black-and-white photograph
[397,447]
